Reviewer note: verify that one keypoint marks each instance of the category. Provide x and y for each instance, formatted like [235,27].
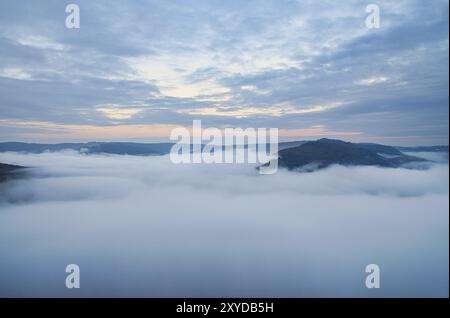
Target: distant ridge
[424,149]
[324,152]
[120,148]
[10,171]
[135,148]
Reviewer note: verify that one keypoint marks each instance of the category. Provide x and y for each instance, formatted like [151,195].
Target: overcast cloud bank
[142,226]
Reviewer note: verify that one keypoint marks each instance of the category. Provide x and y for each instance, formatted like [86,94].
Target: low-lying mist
[143,226]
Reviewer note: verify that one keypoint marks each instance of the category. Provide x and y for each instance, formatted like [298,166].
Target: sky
[134,70]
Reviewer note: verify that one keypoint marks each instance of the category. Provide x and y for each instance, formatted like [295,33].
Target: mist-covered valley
[145,227]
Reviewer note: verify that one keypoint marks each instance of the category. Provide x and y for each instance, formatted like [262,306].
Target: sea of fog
[145,227]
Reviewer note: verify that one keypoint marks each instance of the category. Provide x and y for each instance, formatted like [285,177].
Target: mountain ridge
[8,171]
[136,148]
[314,155]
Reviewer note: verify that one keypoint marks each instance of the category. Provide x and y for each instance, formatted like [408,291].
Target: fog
[439,157]
[143,226]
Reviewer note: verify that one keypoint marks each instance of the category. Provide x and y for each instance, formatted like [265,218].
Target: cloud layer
[142,226]
[259,64]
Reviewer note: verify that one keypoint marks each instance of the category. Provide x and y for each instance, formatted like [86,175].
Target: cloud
[270,111]
[440,157]
[37,131]
[15,73]
[142,226]
[40,42]
[248,57]
[373,80]
[118,113]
